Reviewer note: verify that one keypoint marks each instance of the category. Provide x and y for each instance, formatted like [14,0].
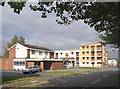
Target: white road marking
[105,76]
[64,81]
[52,85]
[96,81]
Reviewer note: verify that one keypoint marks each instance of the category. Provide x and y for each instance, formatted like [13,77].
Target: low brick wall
[6,64]
[28,64]
[57,65]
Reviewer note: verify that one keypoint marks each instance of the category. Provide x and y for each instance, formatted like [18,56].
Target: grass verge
[15,79]
[88,68]
[59,72]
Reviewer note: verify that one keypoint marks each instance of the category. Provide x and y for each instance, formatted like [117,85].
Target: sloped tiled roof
[36,47]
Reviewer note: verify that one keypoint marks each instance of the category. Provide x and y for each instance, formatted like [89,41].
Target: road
[104,78]
[18,73]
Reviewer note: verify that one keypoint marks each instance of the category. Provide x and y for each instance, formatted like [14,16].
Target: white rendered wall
[87,65]
[21,51]
[37,55]
[69,54]
[63,54]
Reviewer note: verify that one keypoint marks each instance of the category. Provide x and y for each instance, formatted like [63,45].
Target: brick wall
[57,65]
[28,64]
[7,63]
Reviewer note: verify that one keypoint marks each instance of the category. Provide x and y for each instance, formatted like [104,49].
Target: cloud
[45,32]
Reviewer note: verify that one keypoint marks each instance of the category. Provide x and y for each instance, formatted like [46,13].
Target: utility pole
[67,64]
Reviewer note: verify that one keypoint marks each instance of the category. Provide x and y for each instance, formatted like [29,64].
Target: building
[72,56]
[25,55]
[93,55]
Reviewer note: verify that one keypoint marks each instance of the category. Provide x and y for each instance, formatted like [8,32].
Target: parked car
[32,69]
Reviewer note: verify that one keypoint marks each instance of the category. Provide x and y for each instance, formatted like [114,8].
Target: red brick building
[22,56]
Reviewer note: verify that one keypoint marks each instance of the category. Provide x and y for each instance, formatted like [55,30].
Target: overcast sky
[46,32]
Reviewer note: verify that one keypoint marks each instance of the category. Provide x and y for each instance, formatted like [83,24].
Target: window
[83,47]
[83,58]
[17,63]
[21,63]
[66,54]
[14,63]
[61,53]
[46,53]
[87,52]
[83,53]
[87,62]
[87,47]
[83,62]
[87,58]
[33,51]
[40,52]
[92,47]
[72,53]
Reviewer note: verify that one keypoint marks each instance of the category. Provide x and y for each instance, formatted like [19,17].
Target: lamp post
[67,64]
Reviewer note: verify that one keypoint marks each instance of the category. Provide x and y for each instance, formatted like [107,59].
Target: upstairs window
[87,47]
[83,53]
[33,51]
[87,52]
[61,53]
[66,54]
[83,62]
[83,47]
[72,53]
[83,58]
[87,58]
[46,53]
[40,52]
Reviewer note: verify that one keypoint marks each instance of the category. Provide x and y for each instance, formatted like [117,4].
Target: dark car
[32,69]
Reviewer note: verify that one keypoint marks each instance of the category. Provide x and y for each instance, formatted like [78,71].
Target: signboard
[70,65]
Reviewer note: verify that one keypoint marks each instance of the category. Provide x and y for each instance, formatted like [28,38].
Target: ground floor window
[87,62]
[19,63]
[83,62]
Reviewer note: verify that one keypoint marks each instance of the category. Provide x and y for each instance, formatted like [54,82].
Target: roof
[69,50]
[90,44]
[36,47]
[31,46]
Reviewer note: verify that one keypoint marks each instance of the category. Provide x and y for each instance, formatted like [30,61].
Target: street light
[67,64]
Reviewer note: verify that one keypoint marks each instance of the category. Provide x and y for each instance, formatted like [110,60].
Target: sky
[46,32]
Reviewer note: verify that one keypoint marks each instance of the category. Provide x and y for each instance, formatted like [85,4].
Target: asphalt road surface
[104,78]
[18,73]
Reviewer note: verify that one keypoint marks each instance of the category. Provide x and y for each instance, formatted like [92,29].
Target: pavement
[44,77]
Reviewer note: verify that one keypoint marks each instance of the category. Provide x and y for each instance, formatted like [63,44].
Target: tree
[15,40]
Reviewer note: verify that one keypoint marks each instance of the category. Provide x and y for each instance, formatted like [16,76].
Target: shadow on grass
[12,76]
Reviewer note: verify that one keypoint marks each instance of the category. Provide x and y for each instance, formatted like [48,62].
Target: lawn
[11,79]
[58,72]
[88,68]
